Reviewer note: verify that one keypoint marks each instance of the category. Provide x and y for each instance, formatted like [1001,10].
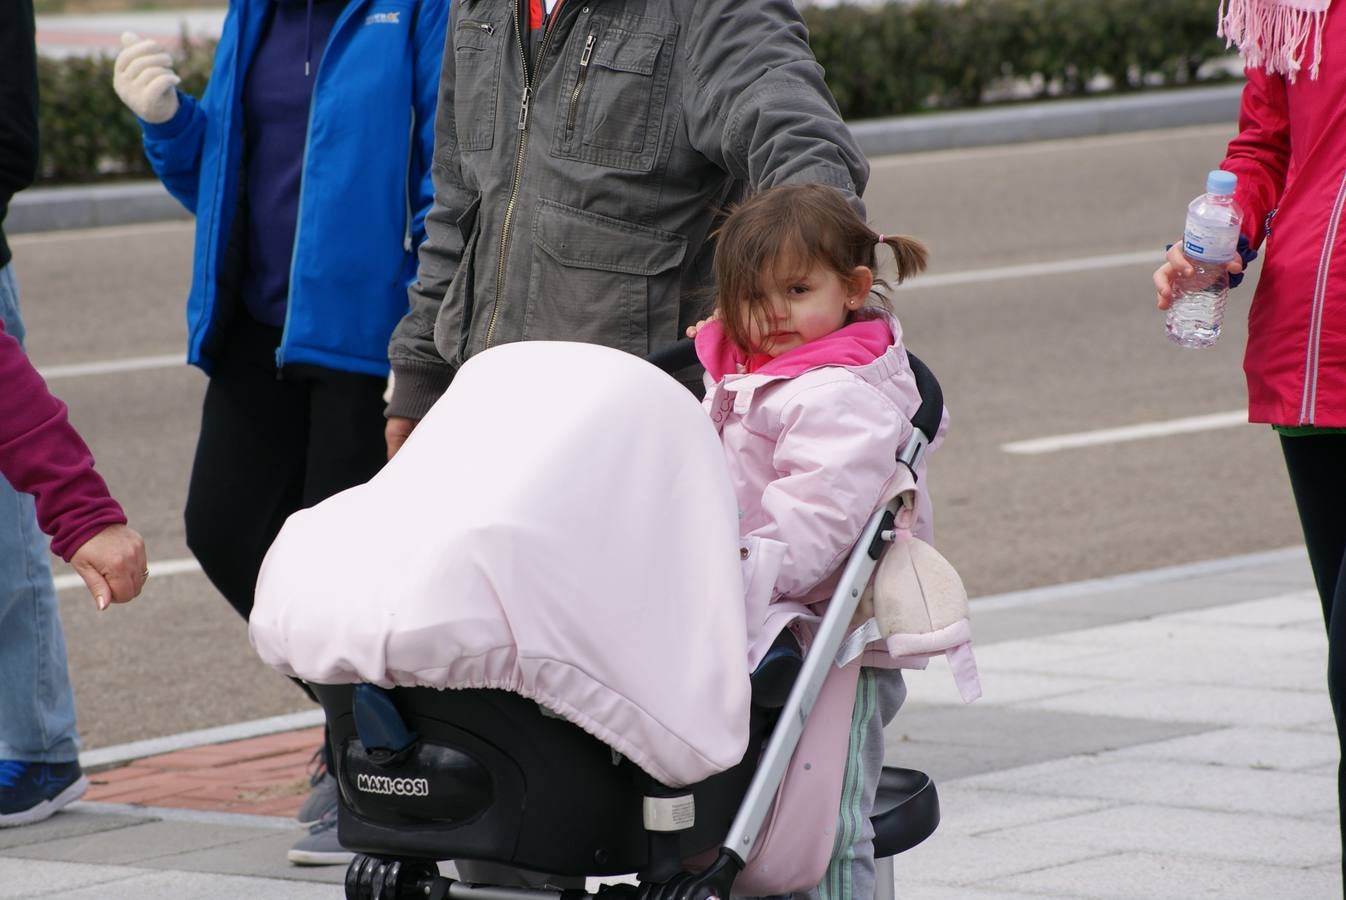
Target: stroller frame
[906,809]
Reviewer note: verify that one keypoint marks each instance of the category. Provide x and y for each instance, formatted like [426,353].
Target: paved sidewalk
[1160,735]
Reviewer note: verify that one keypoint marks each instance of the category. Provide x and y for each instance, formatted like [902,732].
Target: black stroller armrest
[674,357]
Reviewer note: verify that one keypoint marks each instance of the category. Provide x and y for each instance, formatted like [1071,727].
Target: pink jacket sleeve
[1260,154]
[837,455]
[42,454]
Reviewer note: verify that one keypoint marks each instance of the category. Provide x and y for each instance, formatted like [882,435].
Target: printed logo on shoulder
[384,18]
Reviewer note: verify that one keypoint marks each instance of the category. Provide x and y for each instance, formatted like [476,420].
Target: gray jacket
[577,174]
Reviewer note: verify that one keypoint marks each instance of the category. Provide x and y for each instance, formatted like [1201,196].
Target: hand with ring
[112,564]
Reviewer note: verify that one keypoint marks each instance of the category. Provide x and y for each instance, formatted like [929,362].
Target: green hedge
[85,132]
[900,57]
[936,54]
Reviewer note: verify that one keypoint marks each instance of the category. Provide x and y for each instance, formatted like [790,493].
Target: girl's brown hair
[808,224]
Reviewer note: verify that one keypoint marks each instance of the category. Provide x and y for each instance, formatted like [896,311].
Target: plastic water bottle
[1209,241]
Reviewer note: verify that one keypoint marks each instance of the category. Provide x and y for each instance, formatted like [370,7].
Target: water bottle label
[1210,242]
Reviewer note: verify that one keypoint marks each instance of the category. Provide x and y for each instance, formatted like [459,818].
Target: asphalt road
[1021,355]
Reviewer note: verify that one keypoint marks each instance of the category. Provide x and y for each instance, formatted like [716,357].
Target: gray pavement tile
[1273,612]
[968,811]
[66,824]
[1195,704]
[1133,602]
[180,885]
[936,685]
[1133,875]
[1187,833]
[963,859]
[148,840]
[954,742]
[993,626]
[1261,748]
[29,878]
[920,890]
[262,855]
[1188,785]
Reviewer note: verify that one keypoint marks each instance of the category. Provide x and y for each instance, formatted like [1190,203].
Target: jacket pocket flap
[626,51]
[586,240]
[473,35]
[467,220]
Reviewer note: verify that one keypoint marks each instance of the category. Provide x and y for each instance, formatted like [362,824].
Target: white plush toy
[917,606]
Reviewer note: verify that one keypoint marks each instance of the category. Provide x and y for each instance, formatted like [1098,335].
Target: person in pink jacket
[809,387]
[1290,159]
[42,454]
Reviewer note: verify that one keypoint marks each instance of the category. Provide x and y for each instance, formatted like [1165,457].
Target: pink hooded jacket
[811,439]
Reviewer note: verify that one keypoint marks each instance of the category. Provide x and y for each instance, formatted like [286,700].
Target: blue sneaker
[32,791]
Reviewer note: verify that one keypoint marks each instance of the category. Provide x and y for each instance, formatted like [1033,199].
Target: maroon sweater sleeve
[42,454]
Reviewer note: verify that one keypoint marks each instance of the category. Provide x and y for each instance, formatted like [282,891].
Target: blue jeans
[37,705]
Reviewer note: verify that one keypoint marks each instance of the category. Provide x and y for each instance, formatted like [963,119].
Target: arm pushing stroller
[490,774]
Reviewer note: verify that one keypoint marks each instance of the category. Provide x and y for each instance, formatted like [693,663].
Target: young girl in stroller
[807,383]
[562,544]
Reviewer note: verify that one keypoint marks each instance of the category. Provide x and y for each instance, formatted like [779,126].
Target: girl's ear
[859,285]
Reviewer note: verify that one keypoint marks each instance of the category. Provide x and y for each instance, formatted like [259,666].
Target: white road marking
[157,570]
[1128,433]
[107,366]
[1034,270]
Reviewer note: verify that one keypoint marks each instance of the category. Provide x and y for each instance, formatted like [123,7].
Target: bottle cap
[1221,182]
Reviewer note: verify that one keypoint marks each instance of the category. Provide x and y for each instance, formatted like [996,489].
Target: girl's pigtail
[911,254]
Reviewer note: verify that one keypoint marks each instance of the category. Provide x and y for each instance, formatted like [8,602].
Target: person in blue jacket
[307,165]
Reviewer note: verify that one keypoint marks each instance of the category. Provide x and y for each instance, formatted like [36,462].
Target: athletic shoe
[321,847]
[322,794]
[33,791]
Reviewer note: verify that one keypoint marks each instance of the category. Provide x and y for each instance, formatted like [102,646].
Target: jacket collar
[723,361]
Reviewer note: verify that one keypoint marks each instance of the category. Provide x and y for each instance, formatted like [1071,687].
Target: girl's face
[802,307]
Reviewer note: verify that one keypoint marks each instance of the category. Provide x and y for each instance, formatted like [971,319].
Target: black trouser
[269,446]
[1317,465]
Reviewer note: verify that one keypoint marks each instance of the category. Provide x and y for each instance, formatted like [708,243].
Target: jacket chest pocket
[615,93]
[478,47]
[594,278]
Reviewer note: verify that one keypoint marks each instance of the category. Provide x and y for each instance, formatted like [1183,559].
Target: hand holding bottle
[1176,266]
[1196,286]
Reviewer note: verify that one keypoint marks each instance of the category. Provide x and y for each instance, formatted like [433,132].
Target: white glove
[143,78]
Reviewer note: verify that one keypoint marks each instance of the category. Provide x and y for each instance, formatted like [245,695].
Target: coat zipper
[579,82]
[518,163]
[341,21]
[1308,405]
[406,181]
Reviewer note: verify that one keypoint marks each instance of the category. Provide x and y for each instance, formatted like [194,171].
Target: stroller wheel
[372,878]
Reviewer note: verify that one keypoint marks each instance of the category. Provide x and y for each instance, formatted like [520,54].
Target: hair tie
[882,239]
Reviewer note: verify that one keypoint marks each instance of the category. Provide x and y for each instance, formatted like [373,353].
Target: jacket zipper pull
[588,52]
[523,109]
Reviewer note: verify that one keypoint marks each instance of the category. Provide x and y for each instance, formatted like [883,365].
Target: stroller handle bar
[681,354]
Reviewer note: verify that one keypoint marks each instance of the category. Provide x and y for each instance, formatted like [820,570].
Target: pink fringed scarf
[1273,34]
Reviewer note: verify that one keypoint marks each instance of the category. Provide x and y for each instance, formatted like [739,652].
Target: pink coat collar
[856,344]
